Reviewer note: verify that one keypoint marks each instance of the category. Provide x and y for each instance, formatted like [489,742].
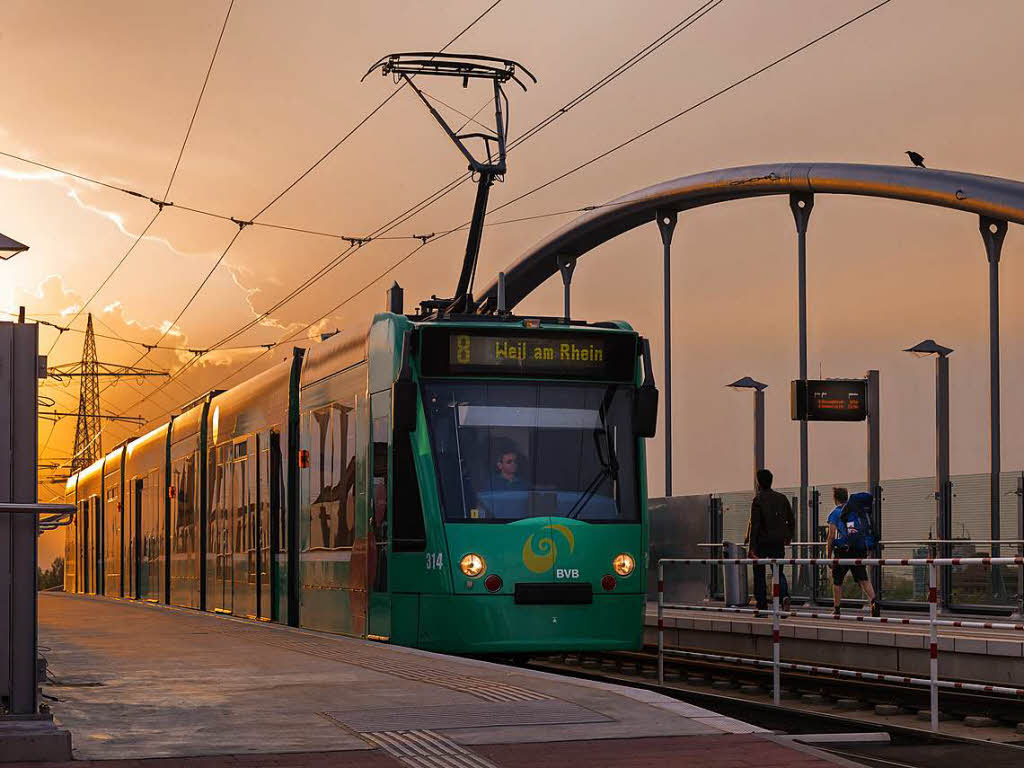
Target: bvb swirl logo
[539,555]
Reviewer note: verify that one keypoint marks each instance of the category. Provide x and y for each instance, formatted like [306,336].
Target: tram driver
[507,470]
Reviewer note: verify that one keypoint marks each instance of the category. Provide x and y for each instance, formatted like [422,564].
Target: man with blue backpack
[851,535]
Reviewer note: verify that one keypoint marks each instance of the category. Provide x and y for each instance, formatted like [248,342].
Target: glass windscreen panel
[508,451]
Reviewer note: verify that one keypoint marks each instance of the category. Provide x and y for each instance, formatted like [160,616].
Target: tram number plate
[435,561]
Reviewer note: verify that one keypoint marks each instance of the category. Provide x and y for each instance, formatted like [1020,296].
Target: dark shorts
[860,573]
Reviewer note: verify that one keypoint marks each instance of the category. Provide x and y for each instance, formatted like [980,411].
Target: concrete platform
[978,655]
[139,681]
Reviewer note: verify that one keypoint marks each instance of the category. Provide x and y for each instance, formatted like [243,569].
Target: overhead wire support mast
[406,66]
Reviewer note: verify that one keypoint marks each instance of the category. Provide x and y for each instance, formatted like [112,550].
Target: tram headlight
[472,565]
[623,564]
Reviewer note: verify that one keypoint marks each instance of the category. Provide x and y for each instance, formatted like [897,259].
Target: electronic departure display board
[829,400]
[522,352]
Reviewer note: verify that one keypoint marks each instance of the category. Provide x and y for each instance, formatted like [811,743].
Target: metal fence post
[1018,614]
[661,622]
[775,634]
[933,648]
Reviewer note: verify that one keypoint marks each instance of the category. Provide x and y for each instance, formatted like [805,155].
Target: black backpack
[856,530]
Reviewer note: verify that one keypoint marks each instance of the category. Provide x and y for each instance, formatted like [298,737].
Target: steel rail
[837,672]
[988,196]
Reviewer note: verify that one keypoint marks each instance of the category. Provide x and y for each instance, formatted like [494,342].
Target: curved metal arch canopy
[989,196]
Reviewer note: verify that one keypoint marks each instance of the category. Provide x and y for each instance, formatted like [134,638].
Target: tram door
[244,546]
[219,539]
[98,545]
[261,490]
[379,529]
[87,564]
[133,539]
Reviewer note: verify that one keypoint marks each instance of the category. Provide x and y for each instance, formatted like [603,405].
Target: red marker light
[493,582]
[608,583]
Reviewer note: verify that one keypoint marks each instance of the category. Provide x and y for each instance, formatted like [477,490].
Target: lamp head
[10,247]
[747,383]
[929,347]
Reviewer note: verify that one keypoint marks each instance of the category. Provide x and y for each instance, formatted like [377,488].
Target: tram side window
[410,533]
[332,476]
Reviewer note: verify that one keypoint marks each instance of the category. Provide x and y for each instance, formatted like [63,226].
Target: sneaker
[876,609]
[835,613]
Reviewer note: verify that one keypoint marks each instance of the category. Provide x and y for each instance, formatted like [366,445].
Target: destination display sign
[581,355]
[829,400]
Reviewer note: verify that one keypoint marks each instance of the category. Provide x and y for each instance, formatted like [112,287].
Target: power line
[206,279]
[354,243]
[191,122]
[380,232]
[132,342]
[683,24]
[127,253]
[160,205]
[623,144]
[373,112]
[695,105]
[614,74]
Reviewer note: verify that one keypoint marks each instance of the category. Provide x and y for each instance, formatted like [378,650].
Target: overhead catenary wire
[382,232]
[696,105]
[106,280]
[616,148]
[35,318]
[159,204]
[199,101]
[597,158]
[625,66]
[353,241]
[373,112]
[661,124]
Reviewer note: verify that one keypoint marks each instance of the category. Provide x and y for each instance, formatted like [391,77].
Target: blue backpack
[856,530]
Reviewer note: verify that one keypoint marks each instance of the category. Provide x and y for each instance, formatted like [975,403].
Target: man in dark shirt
[771,528]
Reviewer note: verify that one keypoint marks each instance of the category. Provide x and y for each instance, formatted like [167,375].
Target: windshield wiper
[609,466]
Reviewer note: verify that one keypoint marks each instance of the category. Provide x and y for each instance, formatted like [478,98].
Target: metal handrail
[845,560]
[900,542]
[62,514]
[933,563]
[9,507]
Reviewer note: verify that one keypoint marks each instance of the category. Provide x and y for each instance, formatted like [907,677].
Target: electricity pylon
[88,433]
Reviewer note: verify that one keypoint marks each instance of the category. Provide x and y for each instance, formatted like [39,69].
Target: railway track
[824,704]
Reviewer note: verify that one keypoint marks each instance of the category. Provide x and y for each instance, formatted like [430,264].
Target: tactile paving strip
[426,749]
[389,663]
[482,715]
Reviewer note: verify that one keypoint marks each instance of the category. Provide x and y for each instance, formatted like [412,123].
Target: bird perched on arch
[915,158]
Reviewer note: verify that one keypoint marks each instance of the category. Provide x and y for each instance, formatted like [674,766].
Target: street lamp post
[748,383]
[943,486]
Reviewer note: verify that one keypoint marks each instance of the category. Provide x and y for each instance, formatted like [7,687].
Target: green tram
[463,484]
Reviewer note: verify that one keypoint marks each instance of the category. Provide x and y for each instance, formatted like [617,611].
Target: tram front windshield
[510,451]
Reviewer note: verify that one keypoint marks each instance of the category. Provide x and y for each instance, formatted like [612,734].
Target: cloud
[70,185]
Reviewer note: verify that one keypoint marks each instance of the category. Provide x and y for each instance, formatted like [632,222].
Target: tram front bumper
[496,624]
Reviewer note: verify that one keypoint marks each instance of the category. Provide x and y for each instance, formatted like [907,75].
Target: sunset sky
[107,89]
